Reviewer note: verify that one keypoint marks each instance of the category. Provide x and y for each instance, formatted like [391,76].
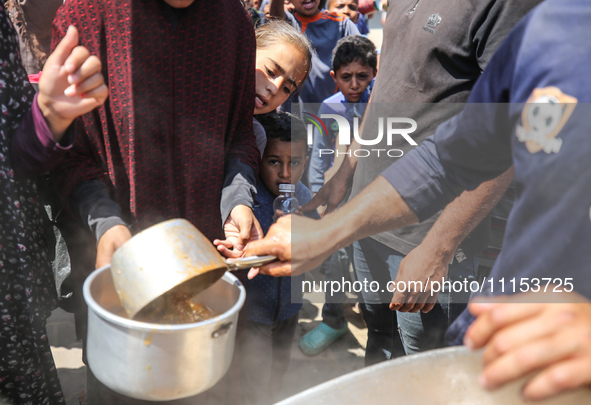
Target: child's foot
[319,338]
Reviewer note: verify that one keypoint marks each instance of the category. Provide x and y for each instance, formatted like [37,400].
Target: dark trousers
[389,330]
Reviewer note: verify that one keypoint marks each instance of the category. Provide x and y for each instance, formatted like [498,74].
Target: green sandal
[319,338]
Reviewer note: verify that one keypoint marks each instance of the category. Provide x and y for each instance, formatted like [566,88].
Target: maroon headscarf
[180,105]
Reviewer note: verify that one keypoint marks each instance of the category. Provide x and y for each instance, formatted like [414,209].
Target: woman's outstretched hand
[71,84]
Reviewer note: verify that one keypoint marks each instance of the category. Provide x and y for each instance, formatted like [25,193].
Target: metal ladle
[167,258]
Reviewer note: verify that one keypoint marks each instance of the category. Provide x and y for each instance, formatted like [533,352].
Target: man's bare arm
[302,243]
[430,260]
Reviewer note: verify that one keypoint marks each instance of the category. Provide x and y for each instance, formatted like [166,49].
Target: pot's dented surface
[156,361]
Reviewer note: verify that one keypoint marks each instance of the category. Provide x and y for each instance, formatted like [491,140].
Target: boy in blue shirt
[354,66]
[272,308]
[323,29]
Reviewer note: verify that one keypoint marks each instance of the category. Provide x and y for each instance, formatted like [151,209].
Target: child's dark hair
[283,126]
[354,48]
[277,32]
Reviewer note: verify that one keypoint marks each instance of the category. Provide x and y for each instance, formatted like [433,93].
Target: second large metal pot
[155,361]
[437,377]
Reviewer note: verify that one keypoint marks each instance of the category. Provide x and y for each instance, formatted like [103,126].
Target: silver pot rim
[153,327]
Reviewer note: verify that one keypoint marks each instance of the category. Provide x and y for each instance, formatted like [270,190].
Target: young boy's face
[306,8]
[353,80]
[347,8]
[283,163]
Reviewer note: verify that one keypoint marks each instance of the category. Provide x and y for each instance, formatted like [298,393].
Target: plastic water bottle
[285,203]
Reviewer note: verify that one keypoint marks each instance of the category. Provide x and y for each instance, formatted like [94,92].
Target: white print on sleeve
[544,115]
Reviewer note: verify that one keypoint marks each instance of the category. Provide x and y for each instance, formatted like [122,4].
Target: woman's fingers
[98,94]
[86,86]
[76,59]
[64,48]
[86,66]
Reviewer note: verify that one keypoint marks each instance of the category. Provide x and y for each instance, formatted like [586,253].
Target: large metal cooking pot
[155,361]
[438,377]
[168,258]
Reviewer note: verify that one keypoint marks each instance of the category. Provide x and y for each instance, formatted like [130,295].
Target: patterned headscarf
[181,96]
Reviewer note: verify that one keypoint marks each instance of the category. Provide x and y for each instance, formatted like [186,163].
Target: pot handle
[222,330]
[245,263]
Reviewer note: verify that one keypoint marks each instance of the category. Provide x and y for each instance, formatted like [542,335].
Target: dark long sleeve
[92,202]
[33,149]
[472,147]
[239,186]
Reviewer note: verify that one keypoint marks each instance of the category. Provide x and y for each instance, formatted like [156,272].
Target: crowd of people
[158,109]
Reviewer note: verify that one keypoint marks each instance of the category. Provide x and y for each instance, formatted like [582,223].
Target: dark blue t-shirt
[271,299]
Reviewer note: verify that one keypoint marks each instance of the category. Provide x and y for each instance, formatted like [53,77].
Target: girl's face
[279,71]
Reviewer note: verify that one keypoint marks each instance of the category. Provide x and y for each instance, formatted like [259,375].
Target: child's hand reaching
[71,84]
[240,228]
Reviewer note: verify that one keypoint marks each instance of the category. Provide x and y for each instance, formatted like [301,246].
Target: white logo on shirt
[544,115]
[433,21]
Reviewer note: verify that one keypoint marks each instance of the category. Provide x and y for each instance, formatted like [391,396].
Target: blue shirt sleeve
[362,25]
[303,195]
[466,150]
[290,19]
[349,28]
[320,163]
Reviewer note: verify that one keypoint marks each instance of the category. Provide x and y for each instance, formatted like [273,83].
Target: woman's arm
[71,85]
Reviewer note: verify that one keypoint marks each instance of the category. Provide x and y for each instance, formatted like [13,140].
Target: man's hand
[422,263]
[277,242]
[240,228]
[309,242]
[552,337]
[298,252]
[109,243]
[332,193]
[71,84]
